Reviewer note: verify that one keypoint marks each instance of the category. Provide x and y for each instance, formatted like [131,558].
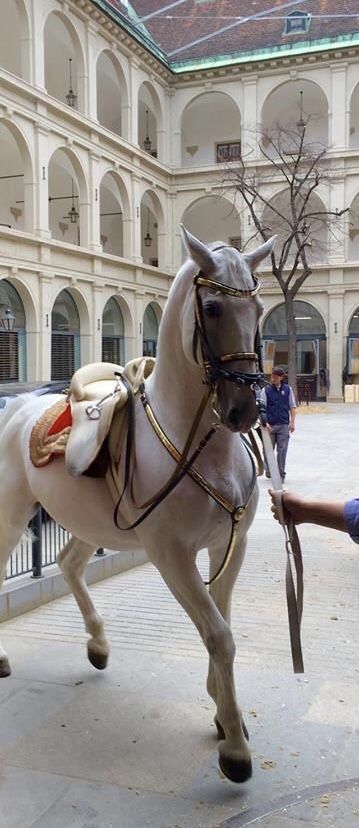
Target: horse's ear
[256,256]
[198,251]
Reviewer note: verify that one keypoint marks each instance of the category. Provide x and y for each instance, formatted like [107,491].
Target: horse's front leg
[221,592]
[178,569]
[72,560]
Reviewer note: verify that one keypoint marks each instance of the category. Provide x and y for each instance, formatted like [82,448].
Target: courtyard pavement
[135,746]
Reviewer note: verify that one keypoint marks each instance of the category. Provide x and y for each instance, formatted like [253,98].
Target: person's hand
[269,428]
[291,504]
[291,428]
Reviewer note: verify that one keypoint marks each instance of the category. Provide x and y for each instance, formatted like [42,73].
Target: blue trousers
[280,439]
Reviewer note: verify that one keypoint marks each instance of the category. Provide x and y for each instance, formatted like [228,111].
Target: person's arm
[292,410]
[321,512]
[263,399]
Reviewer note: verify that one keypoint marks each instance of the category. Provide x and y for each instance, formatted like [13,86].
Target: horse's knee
[220,644]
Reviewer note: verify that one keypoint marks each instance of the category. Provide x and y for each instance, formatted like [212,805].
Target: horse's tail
[12,408]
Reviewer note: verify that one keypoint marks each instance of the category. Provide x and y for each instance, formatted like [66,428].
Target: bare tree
[294,169]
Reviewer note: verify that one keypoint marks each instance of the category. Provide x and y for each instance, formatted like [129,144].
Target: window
[230,151]
[297,22]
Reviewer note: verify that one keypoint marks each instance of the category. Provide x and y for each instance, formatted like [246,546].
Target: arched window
[150,332]
[113,333]
[12,335]
[65,340]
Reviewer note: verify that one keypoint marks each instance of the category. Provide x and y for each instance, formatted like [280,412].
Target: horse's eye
[212,308]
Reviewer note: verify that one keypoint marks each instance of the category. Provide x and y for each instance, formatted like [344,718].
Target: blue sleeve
[351,519]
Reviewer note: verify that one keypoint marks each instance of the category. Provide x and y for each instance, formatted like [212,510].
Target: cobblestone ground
[135,746]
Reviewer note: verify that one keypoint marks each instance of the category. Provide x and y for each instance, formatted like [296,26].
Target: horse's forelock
[231,268]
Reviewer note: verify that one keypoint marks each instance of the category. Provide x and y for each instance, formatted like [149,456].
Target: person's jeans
[280,439]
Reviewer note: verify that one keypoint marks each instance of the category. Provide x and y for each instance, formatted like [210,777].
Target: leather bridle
[213,365]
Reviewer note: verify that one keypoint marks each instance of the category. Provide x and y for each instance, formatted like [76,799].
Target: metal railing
[38,548]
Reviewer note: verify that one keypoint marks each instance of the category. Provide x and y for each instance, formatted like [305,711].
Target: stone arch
[15,38]
[208,140]
[62,45]
[311,345]
[17,193]
[13,351]
[152,228]
[284,107]
[150,120]
[112,94]
[114,229]
[70,333]
[212,217]
[113,332]
[68,189]
[274,221]
[151,320]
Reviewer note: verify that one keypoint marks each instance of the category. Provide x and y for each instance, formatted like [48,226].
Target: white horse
[206,352]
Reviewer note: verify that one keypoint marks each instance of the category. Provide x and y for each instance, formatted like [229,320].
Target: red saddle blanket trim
[63,421]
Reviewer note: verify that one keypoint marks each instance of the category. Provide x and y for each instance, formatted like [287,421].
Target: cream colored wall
[41,124]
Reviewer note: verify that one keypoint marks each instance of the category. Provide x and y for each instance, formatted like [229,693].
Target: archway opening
[150,331]
[111,94]
[148,120]
[64,64]
[149,230]
[12,335]
[65,337]
[313,227]
[113,333]
[64,207]
[12,181]
[311,359]
[210,140]
[211,218]
[14,38]
[354,118]
[287,108]
[111,216]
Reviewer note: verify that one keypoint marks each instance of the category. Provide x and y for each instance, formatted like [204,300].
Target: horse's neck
[177,386]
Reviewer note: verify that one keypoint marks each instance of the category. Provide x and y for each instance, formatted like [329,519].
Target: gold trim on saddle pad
[50,433]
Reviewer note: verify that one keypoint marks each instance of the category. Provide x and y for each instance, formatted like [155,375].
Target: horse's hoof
[237,770]
[221,734]
[5,669]
[98,660]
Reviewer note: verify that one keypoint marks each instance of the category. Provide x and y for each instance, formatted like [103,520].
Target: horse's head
[225,331]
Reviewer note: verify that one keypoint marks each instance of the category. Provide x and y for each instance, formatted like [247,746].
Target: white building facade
[104,152]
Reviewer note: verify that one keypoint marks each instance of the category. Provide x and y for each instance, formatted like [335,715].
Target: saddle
[89,425]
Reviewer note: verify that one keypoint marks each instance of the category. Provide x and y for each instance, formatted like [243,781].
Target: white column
[94,189]
[136,189]
[46,302]
[97,303]
[42,201]
[134,87]
[38,45]
[337,122]
[335,344]
[92,51]
[250,118]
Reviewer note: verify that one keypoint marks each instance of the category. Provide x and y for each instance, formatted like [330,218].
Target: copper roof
[190,30]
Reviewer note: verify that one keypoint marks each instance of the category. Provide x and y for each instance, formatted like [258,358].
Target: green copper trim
[305,47]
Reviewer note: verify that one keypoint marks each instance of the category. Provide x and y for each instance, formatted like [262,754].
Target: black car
[12,389]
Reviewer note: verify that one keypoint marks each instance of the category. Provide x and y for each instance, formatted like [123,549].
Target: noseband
[212,364]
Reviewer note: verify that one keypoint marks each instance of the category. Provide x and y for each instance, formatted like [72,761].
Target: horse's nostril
[234,416]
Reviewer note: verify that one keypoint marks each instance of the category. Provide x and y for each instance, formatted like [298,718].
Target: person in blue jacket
[341,515]
[279,401]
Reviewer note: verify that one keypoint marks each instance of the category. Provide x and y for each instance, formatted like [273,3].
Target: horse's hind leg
[15,514]
[221,592]
[179,570]
[72,560]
